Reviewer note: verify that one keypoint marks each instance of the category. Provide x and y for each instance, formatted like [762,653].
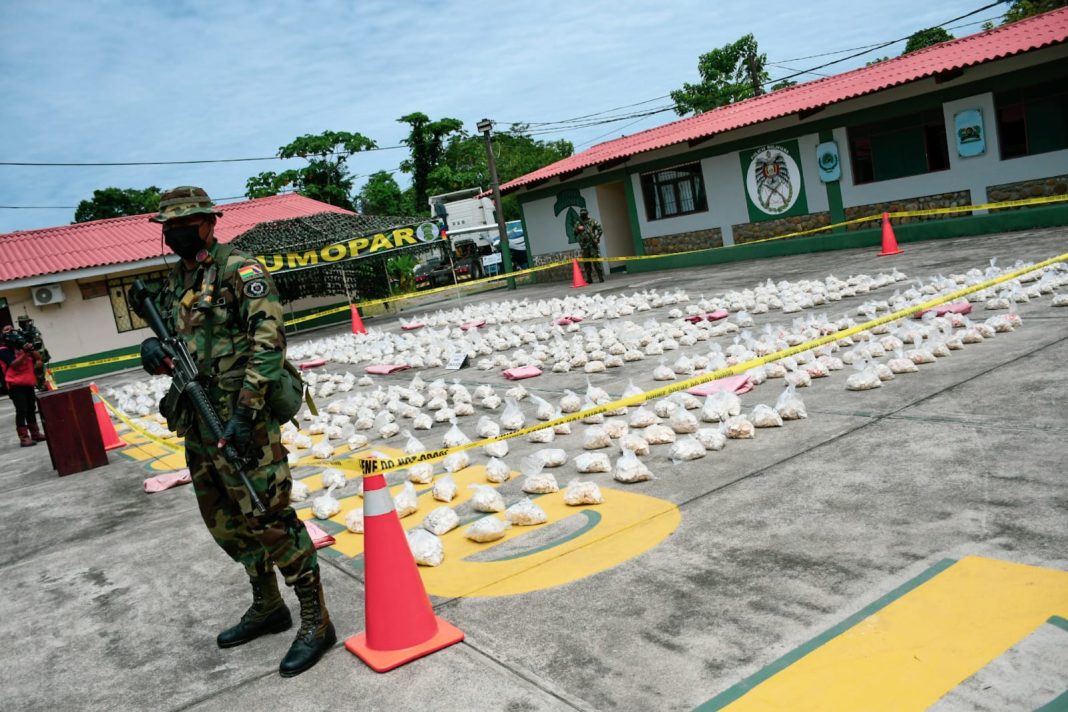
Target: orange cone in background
[889,241]
[357,322]
[103,422]
[400,624]
[576,276]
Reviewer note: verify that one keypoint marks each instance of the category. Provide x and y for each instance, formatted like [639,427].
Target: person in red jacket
[19,370]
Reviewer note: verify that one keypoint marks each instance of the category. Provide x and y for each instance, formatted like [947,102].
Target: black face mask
[184,240]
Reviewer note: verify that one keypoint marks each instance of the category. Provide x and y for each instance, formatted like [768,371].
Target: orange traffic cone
[103,422]
[576,276]
[889,241]
[357,322]
[400,624]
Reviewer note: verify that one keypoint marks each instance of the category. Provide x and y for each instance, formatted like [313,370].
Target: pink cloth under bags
[384,369]
[316,363]
[961,308]
[167,480]
[473,324]
[412,326]
[732,384]
[518,374]
[318,535]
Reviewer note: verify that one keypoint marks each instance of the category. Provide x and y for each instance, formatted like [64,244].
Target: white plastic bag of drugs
[512,417]
[593,462]
[497,471]
[789,405]
[444,489]
[642,417]
[323,450]
[406,501]
[422,422]
[764,416]
[486,499]
[901,364]
[544,410]
[632,390]
[536,481]
[333,478]
[421,473]
[682,421]
[325,506]
[630,469]
[454,462]
[300,492]
[496,449]
[487,529]
[663,372]
[865,378]
[615,427]
[542,435]
[441,520]
[413,445]
[356,441]
[427,549]
[686,448]
[570,403]
[739,428]
[551,457]
[658,434]
[525,513]
[712,438]
[595,438]
[455,437]
[635,443]
[354,520]
[486,428]
[577,493]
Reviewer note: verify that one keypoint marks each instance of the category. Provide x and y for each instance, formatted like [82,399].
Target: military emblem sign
[773,182]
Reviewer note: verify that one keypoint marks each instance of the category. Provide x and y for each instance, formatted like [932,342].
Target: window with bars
[676,191]
[1032,119]
[119,293]
[900,147]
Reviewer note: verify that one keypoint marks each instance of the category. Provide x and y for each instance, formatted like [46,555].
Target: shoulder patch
[250,272]
[256,288]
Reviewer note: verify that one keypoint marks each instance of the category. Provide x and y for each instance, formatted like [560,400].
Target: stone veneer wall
[747,232]
[556,274]
[924,202]
[1055,185]
[684,241]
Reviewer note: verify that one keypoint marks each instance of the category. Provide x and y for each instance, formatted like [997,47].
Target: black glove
[238,430]
[154,355]
[137,298]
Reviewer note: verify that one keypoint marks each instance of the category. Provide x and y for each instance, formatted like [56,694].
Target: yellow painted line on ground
[911,652]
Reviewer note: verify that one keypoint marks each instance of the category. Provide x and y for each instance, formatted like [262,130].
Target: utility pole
[486,126]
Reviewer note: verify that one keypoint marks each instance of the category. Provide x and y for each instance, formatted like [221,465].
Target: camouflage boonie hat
[184,200]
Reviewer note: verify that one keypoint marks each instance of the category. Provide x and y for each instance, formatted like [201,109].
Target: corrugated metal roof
[1033,33]
[132,238]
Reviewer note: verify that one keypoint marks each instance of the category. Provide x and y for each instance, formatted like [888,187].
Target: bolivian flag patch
[250,272]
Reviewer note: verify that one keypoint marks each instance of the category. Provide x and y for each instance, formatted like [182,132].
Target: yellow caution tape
[378,466]
[94,362]
[166,444]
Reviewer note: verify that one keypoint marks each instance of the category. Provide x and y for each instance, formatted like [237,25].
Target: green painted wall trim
[1012,80]
[632,215]
[834,189]
[1057,704]
[737,691]
[1061,623]
[957,227]
[91,371]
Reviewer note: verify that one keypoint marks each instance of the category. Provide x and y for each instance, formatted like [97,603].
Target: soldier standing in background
[33,335]
[589,237]
[225,307]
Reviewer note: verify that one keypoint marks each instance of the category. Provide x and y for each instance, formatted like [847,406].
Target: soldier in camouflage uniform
[589,237]
[225,307]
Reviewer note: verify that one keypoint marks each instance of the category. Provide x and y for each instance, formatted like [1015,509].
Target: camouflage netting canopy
[365,277]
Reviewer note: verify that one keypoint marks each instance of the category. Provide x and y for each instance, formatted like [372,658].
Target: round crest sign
[773,180]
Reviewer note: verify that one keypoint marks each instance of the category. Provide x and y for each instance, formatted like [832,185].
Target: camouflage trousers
[589,268]
[256,541]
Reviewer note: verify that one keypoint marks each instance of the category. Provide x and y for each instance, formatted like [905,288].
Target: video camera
[16,339]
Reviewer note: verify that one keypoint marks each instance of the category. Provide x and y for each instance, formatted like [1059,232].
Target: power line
[185,163]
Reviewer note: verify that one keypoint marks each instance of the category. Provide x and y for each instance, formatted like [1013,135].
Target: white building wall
[546,230]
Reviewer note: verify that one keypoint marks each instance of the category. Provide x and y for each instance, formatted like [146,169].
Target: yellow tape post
[371,467]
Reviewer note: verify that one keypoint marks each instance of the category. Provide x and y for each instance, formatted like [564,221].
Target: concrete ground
[902,548]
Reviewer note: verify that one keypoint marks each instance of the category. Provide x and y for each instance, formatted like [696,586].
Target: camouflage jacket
[590,238]
[240,342]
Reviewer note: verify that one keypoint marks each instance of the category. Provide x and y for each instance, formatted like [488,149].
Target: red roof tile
[1033,33]
[132,238]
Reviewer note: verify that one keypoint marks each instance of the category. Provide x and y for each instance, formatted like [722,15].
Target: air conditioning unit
[48,294]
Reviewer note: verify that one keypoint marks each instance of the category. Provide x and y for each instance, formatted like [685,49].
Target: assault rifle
[184,376]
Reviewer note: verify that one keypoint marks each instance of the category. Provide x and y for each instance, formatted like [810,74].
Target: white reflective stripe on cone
[377,502]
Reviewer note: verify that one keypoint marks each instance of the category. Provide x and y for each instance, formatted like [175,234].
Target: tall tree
[325,178]
[731,73]
[926,38]
[426,140]
[116,202]
[381,195]
[464,165]
[1019,9]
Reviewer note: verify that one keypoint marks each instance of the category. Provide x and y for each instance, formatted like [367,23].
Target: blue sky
[110,80]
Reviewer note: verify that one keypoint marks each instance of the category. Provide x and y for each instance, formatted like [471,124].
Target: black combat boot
[316,633]
[267,614]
